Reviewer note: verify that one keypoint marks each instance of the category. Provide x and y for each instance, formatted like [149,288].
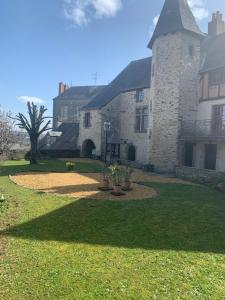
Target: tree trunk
[33,154]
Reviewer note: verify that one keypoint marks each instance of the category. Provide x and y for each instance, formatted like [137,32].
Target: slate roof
[213,53]
[68,139]
[176,16]
[80,93]
[136,75]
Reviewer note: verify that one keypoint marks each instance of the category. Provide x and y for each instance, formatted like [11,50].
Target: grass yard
[168,247]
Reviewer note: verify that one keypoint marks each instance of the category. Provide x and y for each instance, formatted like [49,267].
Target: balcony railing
[203,129]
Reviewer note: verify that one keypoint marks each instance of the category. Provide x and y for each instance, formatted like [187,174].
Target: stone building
[164,111]
[63,139]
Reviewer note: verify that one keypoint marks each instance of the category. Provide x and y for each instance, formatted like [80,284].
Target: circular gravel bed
[77,185]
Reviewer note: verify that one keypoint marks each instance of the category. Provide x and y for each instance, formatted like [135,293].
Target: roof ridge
[137,74]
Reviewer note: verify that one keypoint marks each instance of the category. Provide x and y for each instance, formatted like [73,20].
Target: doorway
[131,153]
[88,148]
[189,155]
[210,156]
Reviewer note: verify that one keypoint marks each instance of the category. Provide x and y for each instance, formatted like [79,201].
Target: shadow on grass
[189,218]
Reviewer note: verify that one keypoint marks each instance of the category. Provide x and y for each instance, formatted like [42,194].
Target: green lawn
[168,247]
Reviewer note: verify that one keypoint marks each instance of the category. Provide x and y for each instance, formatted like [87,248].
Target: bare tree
[35,126]
[7,137]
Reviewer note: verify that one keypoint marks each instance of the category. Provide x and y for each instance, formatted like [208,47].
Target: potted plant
[116,176]
[70,166]
[127,178]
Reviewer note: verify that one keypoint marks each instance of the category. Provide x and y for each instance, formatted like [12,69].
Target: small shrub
[70,166]
[116,175]
[2,198]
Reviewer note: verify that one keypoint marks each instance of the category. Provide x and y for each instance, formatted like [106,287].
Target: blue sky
[44,42]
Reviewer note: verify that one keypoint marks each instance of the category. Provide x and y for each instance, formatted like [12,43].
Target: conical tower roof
[176,16]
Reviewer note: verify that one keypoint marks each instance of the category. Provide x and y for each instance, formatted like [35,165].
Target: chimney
[217,25]
[62,87]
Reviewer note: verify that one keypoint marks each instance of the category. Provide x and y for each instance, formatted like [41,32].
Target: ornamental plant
[70,166]
[116,175]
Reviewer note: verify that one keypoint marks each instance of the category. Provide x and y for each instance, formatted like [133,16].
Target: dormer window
[140,95]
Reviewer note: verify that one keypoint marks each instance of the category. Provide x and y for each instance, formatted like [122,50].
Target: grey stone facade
[121,113]
[174,94]
[71,112]
[171,82]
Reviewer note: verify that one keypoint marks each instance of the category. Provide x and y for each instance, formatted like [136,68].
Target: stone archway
[131,153]
[88,147]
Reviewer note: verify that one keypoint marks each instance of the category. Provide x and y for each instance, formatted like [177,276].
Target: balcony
[203,130]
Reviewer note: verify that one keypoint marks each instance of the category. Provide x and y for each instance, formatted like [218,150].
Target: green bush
[70,166]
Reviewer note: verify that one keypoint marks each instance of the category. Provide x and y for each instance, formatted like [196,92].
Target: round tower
[175,48]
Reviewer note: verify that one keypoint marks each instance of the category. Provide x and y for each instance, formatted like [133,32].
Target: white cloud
[155,20]
[153,25]
[198,8]
[81,12]
[35,100]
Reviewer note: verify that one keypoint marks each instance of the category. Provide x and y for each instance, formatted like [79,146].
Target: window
[214,78]
[217,77]
[191,50]
[77,112]
[189,154]
[218,120]
[131,156]
[145,119]
[140,95]
[87,120]
[141,119]
[210,156]
[64,113]
[223,76]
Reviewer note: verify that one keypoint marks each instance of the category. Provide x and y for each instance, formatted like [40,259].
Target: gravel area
[78,185]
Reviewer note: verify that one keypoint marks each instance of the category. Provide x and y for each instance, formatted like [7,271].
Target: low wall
[200,175]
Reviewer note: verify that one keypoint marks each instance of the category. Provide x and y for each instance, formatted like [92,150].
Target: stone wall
[121,113]
[174,95]
[73,108]
[200,175]
[94,132]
